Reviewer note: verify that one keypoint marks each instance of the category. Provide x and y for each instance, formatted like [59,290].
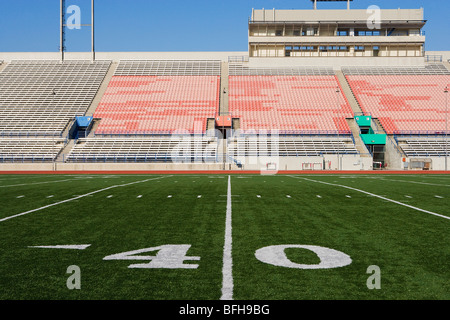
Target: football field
[230,237]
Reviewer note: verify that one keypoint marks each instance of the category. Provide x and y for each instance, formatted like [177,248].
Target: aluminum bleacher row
[41,97]
[404,100]
[292,146]
[144,149]
[290,100]
[424,146]
[38,100]
[160,97]
[29,149]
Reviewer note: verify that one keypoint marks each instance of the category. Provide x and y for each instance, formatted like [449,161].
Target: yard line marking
[33,183]
[51,196]
[70,247]
[110,196]
[377,196]
[439,197]
[408,181]
[348,196]
[78,197]
[227,280]
[18,197]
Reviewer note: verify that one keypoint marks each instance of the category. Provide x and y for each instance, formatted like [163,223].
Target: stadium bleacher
[41,97]
[127,149]
[148,99]
[160,97]
[291,147]
[426,146]
[290,100]
[405,100]
[29,149]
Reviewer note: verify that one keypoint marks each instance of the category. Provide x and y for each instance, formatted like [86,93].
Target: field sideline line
[227,280]
[375,195]
[78,197]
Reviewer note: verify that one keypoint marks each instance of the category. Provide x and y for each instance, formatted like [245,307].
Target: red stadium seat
[158,104]
[288,103]
[403,103]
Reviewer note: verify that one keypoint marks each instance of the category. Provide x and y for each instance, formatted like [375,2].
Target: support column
[61,28]
[92,31]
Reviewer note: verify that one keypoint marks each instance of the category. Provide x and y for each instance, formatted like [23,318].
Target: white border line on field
[227,280]
[417,182]
[34,183]
[78,197]
[69,247]
[377,196]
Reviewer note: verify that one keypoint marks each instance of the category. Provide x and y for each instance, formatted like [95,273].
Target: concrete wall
[270,15]
[335,62]
[393,156]
[437,163]
[326,162]
[445,54]
[107,167]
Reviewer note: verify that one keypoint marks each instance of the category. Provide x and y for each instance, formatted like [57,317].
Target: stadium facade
[317,90]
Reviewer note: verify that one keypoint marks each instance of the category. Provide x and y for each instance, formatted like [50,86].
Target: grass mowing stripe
[227,281]
[377,196]
[76,198]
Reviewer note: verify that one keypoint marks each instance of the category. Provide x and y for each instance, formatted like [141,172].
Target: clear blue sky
[174,25]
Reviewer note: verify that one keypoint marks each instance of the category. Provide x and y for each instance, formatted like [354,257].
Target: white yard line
[33,183]
[417,182]
[227,280]
[76,198]
[69,247]
[377,196]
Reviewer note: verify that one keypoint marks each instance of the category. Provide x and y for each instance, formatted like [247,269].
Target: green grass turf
[410,247]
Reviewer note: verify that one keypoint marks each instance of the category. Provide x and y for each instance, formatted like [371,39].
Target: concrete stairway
[446,64]
[65,151]
[359,144]
[3,66]
[101,91]
[223,108]
[347,91]
[222,151]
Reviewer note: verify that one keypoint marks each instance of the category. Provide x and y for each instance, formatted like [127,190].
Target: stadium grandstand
[317,89]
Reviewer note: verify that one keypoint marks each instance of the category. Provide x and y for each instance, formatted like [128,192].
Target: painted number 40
[174,257]
[168,256]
